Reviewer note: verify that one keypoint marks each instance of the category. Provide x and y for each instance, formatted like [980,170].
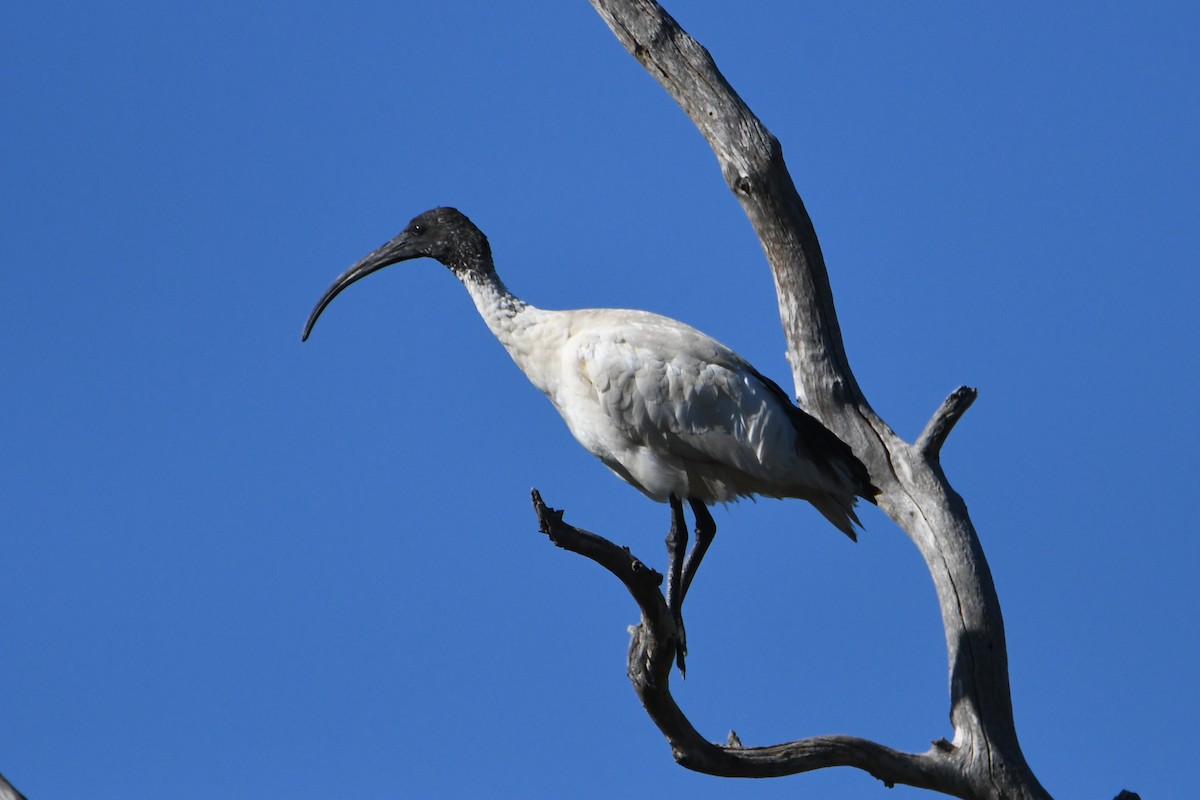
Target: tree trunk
[984,760]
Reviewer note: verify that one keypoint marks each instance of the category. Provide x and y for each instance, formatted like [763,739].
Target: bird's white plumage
[666,407]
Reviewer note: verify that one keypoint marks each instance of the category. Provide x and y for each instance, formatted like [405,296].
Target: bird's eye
[418,229]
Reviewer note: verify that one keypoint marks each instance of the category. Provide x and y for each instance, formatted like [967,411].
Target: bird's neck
[518,325]
[502,310]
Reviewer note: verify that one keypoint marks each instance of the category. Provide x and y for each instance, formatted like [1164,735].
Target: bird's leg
[677,548]
[706,531]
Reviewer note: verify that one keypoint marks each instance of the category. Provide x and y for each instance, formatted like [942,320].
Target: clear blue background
[238,566]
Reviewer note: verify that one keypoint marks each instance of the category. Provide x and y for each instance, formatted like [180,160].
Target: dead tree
[984,760]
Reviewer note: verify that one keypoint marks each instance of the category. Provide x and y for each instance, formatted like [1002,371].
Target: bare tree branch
[8,791]
[915,492]
[930,442]
[985,759]
[651,657]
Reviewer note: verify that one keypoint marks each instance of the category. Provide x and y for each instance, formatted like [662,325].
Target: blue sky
[239,566]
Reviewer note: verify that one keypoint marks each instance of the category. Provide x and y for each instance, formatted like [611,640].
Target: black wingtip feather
[824,445]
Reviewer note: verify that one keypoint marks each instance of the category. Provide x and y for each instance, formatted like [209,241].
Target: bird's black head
[443,234]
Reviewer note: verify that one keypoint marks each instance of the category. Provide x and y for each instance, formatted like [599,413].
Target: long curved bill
[398,249]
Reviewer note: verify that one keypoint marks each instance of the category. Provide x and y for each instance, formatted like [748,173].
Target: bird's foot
[680,643]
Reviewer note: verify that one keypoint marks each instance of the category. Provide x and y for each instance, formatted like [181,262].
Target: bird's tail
[838,509]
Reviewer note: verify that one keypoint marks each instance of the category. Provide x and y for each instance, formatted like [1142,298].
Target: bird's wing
[662,385]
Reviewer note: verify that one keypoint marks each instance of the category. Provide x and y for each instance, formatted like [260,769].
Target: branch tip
[944,419]
[548,518]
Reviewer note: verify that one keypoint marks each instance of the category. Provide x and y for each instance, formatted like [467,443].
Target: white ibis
[674,412]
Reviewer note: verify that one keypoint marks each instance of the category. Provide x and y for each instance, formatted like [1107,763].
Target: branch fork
[984,760]
[930,442]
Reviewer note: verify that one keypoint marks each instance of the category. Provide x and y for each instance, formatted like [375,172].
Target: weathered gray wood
[8,791]
[985,758]
[651,658]
[930,442]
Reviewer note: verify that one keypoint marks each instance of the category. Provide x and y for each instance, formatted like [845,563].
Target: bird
[672,411]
